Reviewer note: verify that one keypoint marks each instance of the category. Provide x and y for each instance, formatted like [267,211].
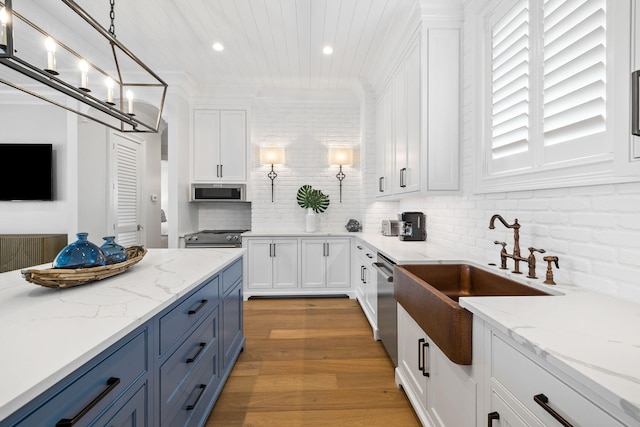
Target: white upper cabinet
[219,146]
[418,116]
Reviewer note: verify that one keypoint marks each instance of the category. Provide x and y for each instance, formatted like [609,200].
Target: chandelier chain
[112,15]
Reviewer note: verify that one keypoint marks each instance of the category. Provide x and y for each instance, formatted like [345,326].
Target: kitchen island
[49,335]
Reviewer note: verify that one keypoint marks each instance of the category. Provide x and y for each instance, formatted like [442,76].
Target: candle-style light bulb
[110,83]
[130,98]
[4,19]
[51,55]
[84,75]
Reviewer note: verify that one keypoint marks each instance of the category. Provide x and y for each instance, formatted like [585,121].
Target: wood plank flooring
[310,362]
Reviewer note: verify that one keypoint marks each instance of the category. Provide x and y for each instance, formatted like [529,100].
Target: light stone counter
[593,338]
[45,334]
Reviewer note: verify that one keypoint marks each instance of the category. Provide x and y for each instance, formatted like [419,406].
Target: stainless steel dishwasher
[387,308]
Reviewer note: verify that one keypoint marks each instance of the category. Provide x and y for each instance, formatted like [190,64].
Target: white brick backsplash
[594,230]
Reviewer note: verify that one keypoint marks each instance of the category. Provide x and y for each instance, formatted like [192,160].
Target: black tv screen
[26,172]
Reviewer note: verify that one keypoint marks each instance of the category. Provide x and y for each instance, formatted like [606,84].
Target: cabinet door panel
[313,263]
[285,264]
[133,413]
[413,152]
[410,354]
[259,267]
[338,256]
[399,124]
[233,142]
[232,322]
[206,143]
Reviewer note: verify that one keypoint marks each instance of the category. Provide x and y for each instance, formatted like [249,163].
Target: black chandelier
[44,66]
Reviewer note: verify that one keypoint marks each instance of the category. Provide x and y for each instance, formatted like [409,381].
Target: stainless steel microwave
[218,193]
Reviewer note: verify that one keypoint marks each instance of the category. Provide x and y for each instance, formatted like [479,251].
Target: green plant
[314,199]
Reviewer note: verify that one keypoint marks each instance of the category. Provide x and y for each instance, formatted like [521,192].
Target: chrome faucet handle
[550,260]
[503,254]
[531,260]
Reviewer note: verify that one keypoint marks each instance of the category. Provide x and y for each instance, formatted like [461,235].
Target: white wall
[306,126]
[24,120]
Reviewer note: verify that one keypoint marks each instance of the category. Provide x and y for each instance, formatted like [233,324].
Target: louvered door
[127,191]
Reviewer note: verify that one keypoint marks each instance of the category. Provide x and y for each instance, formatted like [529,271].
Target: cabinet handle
[192,407]
[543,401]
[492,416]
[202,345]
[362,273]
[359,247]
[403,176]
[425,346]
[369,256]
[111,384]
[218,171]
[420,355]
[270,250]
[635,100]
[364,280]
[381,184]
[274,250]
[221,174]
[197,309]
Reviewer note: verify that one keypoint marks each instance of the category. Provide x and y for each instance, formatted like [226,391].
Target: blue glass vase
[79,254]
[113,252]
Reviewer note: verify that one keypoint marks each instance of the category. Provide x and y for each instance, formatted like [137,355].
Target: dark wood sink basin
[430,294]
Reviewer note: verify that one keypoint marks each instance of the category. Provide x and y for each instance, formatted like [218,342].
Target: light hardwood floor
[310,362]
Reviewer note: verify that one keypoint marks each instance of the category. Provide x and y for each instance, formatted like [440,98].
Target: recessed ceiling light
[218,46]
[327,50]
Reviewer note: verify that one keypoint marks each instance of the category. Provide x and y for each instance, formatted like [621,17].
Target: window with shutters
[550,92]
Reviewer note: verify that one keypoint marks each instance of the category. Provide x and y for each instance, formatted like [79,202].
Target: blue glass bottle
[113,252]
[79,254]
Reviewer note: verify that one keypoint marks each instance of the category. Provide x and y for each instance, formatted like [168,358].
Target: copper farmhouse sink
[430,294]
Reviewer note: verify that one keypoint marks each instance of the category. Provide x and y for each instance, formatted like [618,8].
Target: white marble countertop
[45,334]
[593,338]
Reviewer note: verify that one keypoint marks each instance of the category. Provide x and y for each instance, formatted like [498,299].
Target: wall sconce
[340,156]
[272,156]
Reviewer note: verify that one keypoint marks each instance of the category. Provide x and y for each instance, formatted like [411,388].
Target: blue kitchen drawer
[201,347]
[231,275]
[195,307]
[104,381]
[185,390]
[130,411]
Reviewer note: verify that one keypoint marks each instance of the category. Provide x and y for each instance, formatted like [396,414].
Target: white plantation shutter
[548,74]
[510,65]
[574,101]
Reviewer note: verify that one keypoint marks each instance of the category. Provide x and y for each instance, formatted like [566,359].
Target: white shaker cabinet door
[338,256]
[285,263]
[233,145]
[260,265]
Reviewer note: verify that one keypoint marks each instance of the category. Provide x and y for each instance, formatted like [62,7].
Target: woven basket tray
[67,278]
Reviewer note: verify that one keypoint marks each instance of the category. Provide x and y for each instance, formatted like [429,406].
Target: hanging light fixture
[40,64]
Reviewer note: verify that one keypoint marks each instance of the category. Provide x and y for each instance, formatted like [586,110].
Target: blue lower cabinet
[133,412]
[168,372]
[84,396]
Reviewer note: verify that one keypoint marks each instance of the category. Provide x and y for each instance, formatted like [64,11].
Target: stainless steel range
[214,239]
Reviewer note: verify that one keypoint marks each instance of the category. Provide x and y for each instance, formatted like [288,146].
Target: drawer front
[132,412]
[200,346]
[105,382]
[175,323]
[231,275]
[525,379]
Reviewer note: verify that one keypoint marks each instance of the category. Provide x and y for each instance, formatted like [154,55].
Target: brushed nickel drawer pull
[111,384]
[543,401]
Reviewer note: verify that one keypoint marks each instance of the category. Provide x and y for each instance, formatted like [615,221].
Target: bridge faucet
[516,241]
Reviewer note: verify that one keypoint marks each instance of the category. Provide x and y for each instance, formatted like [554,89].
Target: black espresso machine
[413,226]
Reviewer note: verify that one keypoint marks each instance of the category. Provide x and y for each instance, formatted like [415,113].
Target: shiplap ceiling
[268,43]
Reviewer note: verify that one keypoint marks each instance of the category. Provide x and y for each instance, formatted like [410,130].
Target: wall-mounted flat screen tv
[26,172]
